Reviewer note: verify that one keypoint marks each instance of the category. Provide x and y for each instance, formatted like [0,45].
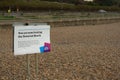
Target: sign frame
[25,36]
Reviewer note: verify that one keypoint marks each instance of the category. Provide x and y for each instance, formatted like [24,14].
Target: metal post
[28,67]
[36,64]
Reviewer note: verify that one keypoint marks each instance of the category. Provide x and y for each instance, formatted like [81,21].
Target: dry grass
[78,53]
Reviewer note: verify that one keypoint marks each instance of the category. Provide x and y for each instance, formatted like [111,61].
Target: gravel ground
[78,53]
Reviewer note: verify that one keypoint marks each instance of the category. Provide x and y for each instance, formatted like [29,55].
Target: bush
[45,5]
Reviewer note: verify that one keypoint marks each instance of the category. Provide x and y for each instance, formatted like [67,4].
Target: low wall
[62,23]
[83,22]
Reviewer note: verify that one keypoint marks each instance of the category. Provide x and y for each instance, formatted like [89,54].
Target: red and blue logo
[45,48]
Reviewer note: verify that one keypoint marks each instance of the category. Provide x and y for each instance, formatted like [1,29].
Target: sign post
[30,39]
[28,67]
[36,64]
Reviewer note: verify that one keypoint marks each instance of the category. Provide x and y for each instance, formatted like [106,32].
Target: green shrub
[45,5]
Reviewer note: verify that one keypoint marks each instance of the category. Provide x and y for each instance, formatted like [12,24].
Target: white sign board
[32,38]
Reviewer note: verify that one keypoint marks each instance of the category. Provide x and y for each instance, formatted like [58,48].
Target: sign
[31,38]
